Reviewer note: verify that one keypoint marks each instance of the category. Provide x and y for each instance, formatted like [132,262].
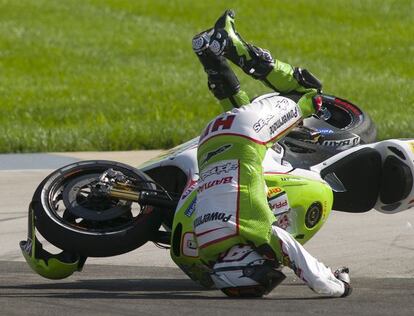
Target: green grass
[120,74]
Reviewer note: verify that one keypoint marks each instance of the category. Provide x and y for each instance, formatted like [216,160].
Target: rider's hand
[317,103]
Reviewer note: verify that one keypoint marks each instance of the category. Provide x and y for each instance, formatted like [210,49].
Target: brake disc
[82,199]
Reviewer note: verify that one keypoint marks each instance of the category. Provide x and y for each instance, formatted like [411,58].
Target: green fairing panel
[309,203]
[50,266]
[184,249]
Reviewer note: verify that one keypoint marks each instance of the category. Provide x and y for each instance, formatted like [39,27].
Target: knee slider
[223,88]
[261,63]
[222,81]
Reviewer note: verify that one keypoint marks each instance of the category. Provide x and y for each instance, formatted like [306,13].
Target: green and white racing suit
[232,205]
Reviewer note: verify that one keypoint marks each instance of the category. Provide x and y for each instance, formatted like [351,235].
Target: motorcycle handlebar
[159,200]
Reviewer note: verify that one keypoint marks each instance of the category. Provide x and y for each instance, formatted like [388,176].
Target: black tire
[344,125]
[347,119]
[87,237]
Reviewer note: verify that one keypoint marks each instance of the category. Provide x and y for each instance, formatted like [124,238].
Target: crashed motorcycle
[105,208]
[340,125]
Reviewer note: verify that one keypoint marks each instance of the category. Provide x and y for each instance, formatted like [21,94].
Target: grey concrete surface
[378,248]
[19,178]
[125,290]
[53,161]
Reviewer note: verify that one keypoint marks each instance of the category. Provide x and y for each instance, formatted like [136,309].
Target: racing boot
[222,81]
[225,40]
[342,274]
[259,63]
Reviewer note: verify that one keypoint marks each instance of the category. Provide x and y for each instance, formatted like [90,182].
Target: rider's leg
[258,62]
[222,81]
[314,273]
[246,217]
[232,182]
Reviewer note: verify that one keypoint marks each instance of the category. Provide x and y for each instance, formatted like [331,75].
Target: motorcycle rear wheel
[347,118]
[344,125]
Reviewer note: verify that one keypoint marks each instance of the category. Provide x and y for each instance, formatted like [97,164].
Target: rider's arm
[314,273]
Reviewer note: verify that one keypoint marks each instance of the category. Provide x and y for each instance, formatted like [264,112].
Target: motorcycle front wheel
[72,215]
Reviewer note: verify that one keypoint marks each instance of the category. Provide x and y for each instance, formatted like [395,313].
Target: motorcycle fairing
[183,156]
[397,191]
[50,266]
[184,248]
[378,175]
[184,159]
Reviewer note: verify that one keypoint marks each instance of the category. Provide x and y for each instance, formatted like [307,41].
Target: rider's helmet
[243,272]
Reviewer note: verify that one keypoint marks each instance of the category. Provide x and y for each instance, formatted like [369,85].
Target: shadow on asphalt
[129,289]
[116,285]
[167,291]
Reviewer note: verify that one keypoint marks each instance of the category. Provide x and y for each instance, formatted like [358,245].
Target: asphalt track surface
[378,248]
